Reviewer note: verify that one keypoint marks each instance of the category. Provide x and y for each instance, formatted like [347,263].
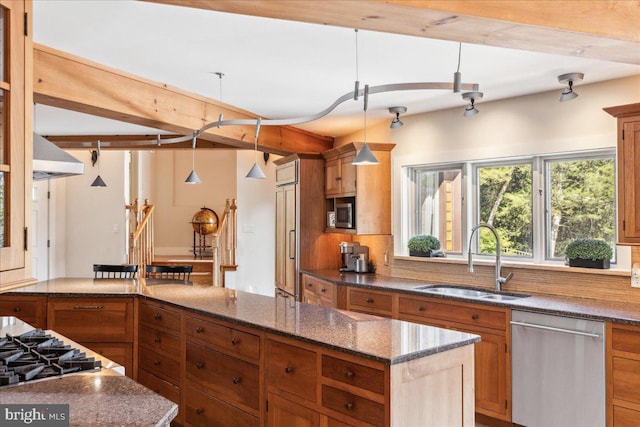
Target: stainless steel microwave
[345,215]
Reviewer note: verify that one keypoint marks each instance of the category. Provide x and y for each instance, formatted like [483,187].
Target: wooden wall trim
[601,29]
[74,83]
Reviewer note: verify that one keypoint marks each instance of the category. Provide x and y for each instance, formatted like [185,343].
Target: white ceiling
[283,69]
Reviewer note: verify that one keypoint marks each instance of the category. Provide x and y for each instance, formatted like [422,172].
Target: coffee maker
[354,257]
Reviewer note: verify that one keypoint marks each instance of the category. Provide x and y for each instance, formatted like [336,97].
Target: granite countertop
[96,398]
[385,340]
[621,312]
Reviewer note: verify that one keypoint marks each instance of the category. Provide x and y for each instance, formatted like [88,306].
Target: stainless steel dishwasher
[558,371]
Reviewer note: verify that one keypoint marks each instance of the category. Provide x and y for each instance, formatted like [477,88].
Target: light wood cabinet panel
[471,314]
[92,319]
[626,380]
[368,301]
[368,187]
[286,236]
[628,171]
[285,413]
[30,309]
[203,410]
[624,417]
[318,292]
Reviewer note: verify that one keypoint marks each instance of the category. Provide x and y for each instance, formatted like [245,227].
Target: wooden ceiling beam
[599,29]
[66,81]
[127,142]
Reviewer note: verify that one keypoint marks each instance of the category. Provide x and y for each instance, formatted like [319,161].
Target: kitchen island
[259,358]
[103,397]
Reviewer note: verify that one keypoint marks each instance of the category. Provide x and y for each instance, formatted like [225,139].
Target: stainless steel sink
[467,293]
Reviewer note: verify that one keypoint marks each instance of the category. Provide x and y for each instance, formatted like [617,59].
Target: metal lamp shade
[256,172]
[567,95]
[470,111]
[193,178]
[365,157]
[98,182]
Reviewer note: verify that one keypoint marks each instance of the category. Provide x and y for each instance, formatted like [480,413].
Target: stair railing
[223,243]
[141,243]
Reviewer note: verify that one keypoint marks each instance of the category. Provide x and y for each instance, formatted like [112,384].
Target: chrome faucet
[499,279]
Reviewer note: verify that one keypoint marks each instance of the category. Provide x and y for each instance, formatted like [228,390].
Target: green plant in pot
[589,253]
[423,245]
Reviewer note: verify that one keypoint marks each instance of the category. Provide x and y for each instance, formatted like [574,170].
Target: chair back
[173,272]
[121,271]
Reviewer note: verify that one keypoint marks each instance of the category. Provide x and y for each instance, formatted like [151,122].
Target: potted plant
[423,245]
[589,253]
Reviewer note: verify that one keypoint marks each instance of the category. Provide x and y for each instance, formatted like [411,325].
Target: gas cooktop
[36,355]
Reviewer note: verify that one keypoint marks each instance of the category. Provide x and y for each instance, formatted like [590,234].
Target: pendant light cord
[356,88]
[459,56]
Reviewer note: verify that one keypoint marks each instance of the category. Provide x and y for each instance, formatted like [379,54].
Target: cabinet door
[629,183]
[291,237]
[332,177]
[348,175]
[280,238]
[285,413]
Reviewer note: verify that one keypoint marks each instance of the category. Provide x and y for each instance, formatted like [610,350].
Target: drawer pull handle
[421,308]
[200,365]
[236,380]
[288,369]
[156,363]
[199,411]
[157,316]
[338,178]
[156,340]
[199,330]
[350,373]
[88,307]
[370,300]
[323,290]
[101,352]
[309,285]
[475,316]
[349,406]
[17,309]
[235,341]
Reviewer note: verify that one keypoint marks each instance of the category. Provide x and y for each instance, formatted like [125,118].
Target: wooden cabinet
[222,371]
[492,354]
[623,375]
[105,325]
[30,309]
[301,242]
[628,171]
[160,351]
[283,412]
[318,292]
[366,187]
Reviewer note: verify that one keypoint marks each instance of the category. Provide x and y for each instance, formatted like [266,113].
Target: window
[537,204]
[438,205]
[580,202]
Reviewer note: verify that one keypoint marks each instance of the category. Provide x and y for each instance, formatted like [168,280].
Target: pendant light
[98,182]
[567,93]
[255,172]
[193,177]
[396,122]
[365,156]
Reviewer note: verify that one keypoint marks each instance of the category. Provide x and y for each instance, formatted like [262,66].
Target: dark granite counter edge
[505,304]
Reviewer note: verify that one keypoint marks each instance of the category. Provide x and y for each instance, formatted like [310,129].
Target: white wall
[94,226]
[256,226]
[534,124]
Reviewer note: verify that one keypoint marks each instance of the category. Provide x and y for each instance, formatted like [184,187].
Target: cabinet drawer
[160,342]
[159,365]
[292,369]
[160,386]
[352,405]
[354,374]
[625,340]
[319,287]
[452,312]
[626,379]
[92,320]
[32,310]
[223,338]
[225,377]
[160,316]
[202,410]
[624,417]
[370,301]
[120,353]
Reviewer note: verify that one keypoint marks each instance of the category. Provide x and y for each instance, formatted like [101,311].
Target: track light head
[471,110]
[396,123]
[567,93]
